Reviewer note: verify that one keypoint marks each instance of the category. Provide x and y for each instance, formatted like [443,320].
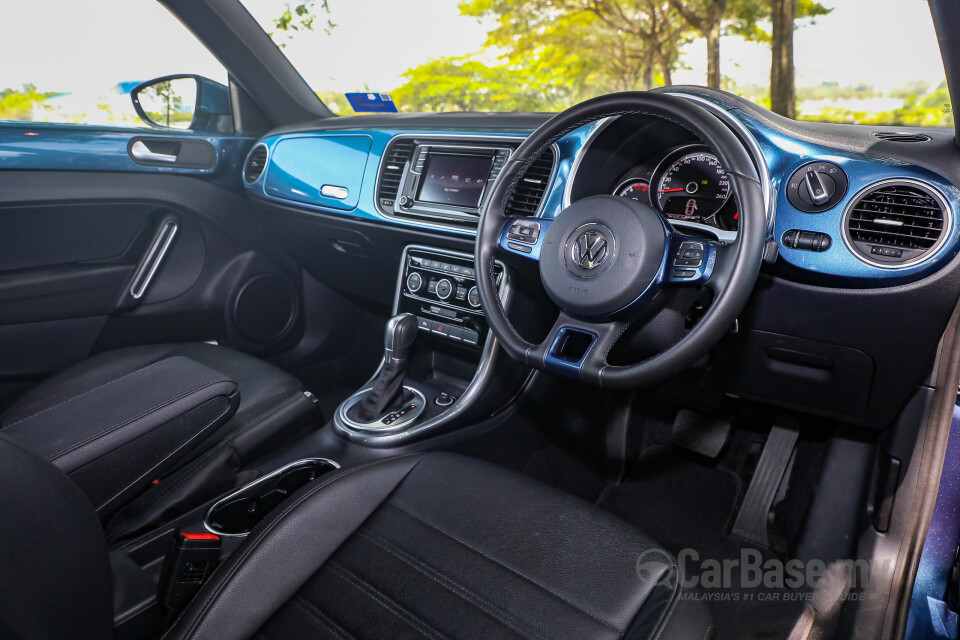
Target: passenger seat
[273,407]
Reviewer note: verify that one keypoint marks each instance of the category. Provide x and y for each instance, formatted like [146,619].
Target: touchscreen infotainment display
[454,180]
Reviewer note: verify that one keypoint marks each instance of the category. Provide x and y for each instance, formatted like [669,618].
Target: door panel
[74,243]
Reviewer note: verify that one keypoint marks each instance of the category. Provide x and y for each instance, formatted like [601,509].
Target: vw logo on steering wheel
[590,250]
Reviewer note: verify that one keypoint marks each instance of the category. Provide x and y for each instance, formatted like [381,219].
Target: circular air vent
[256,163]
[896,223]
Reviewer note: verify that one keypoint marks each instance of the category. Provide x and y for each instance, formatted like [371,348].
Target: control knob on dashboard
[473,297]
[444,289]
[816,187]
[414,282]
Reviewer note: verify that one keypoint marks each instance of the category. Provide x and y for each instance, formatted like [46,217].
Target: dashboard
[860,274]
[860,228]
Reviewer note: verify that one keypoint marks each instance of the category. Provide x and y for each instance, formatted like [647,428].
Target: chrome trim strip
[491,351]
[156,254]
[929,253]
[253,483]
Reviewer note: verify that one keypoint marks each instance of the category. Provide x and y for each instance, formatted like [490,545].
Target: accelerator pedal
[751,523]
[700,433]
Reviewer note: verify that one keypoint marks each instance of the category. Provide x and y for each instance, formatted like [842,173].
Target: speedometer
[691,186]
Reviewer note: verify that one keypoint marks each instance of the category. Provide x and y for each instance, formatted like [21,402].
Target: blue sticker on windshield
[371,102]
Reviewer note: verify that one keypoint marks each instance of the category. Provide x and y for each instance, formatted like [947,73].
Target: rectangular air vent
[528,194]
[902,136]
[391,174]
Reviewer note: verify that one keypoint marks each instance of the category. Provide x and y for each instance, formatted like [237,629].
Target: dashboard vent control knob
[473,297]
[414,282]
[444,289]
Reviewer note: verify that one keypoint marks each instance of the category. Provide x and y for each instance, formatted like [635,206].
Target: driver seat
[435,546]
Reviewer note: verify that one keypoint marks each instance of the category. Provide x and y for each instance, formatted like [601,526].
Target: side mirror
[185,102]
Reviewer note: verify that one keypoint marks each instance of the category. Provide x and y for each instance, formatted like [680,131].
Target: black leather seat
[272,406]
[424,546]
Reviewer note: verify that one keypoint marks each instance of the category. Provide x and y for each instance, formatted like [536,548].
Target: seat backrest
[54,569]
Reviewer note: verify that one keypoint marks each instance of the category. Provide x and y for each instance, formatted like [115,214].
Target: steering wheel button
[687,262]
[520,247]
[684,273]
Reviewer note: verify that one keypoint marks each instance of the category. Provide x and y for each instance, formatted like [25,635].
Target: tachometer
[690,186]
[635,188]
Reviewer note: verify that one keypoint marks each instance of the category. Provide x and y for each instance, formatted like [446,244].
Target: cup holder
[238,513]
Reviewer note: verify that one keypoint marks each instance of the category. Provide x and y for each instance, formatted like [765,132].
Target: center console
[438,352]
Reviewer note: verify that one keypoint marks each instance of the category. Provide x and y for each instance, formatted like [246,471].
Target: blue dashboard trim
[785,155]
[560,365]
[782,154]
[366,207]
[301,167]
[35,146]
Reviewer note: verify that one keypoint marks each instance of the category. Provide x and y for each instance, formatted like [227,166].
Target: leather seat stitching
[256,536]
[128,421]
[317,614]
[493,610]
[385,601]
[44,386]
[102,386]
[592,616]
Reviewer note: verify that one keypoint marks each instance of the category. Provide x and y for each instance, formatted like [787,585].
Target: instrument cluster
[688,185]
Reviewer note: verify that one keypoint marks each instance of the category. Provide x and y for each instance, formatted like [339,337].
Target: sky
[75,45]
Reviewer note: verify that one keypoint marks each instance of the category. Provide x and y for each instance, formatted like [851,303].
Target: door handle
[154,258]
[140,151]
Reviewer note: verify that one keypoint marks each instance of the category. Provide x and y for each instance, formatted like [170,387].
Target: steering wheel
[609,262]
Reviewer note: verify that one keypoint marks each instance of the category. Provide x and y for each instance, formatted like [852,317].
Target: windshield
[855,61]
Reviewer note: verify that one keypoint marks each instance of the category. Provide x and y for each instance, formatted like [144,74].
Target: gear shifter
[387,390]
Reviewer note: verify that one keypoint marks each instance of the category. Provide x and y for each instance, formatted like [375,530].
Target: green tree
[465,84]
[21,104]
[298,17]
[611,45]
[750,20]
[706,16]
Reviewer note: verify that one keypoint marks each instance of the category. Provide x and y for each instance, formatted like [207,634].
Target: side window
[84,63]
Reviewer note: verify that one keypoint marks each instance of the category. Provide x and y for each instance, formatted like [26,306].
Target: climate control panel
[440,288]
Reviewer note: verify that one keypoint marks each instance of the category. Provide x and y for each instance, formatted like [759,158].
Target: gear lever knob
[400,334]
